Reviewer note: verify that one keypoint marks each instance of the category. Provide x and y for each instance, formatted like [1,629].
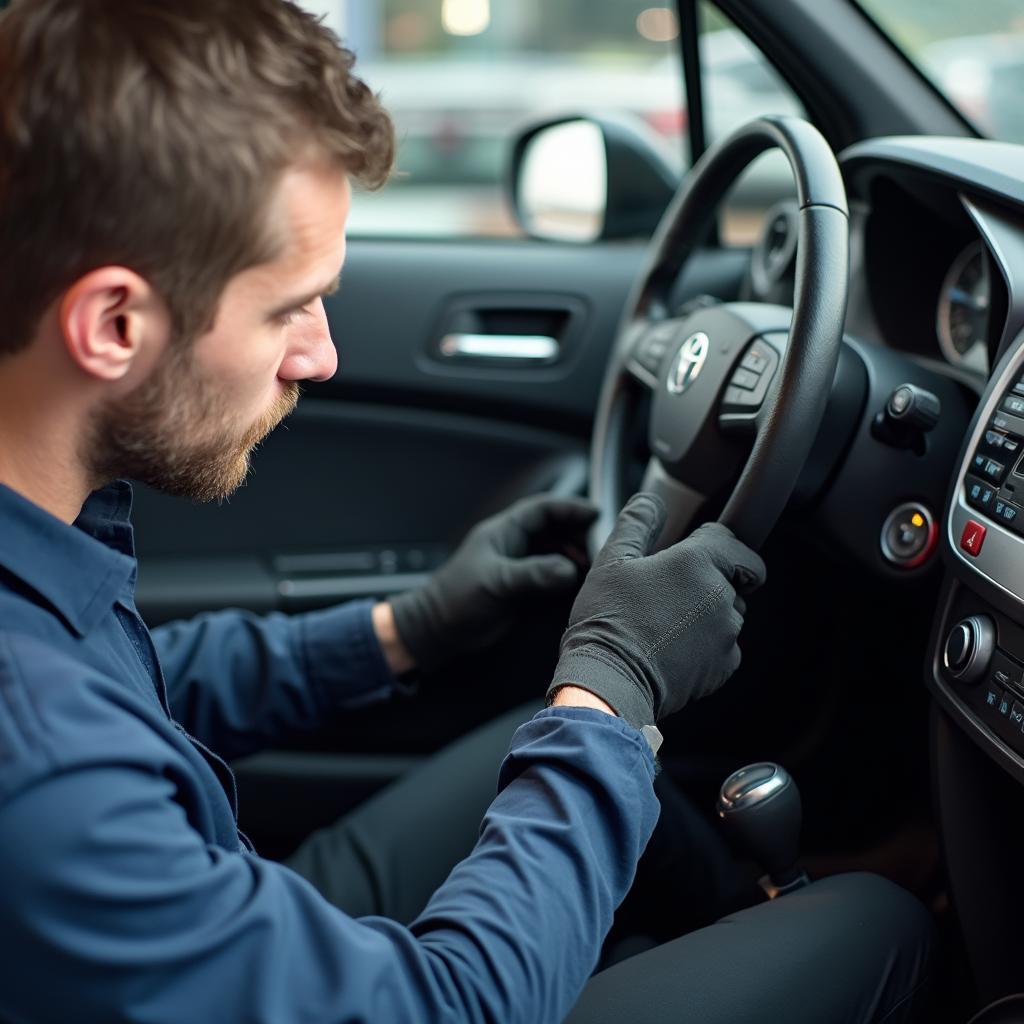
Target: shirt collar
[78,570]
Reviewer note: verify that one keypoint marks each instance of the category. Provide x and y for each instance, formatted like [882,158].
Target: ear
[112,319]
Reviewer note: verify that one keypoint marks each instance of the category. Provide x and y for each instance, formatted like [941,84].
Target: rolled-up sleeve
[238,681]
[114,904]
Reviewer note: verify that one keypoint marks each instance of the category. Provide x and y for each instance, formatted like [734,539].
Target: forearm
[526,914]
[239,681]
[400,660]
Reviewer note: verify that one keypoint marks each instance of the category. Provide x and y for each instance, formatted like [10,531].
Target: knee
[882,932]
[882,912]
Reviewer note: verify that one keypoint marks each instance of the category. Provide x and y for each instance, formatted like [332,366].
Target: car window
[973,53]
[740,84]
[462,77]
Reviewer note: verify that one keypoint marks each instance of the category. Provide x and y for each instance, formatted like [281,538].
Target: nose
[311,353]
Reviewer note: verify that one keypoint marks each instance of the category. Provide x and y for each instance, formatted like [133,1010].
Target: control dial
[969,648]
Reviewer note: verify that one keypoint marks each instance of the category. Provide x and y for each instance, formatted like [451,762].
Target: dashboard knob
[958,647]
[969,647]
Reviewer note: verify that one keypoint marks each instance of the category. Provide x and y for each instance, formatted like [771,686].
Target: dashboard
[962,316]
[935,310]
[938,271]
[937,282]
[931,220]
[926,276]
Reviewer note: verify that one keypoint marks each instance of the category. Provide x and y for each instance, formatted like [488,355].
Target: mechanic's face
[189,429]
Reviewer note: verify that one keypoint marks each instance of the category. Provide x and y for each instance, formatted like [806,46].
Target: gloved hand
[472,600]
[648,633]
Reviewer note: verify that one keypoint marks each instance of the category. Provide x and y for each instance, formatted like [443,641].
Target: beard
[177,435]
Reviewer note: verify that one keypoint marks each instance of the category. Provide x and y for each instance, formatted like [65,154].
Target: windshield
[973,52]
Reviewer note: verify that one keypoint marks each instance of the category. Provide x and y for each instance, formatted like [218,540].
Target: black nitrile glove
[648,633]
[472,600]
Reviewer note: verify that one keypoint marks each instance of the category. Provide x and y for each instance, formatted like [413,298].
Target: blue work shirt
[126,891]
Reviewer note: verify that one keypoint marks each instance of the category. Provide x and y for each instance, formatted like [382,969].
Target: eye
[291,316]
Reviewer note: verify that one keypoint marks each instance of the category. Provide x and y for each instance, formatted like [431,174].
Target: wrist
[570,696]
[396,654]
[601,672]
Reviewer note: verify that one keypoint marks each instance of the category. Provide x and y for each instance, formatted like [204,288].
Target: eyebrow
[303,300]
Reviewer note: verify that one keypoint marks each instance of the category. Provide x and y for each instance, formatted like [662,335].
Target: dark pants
[848,948]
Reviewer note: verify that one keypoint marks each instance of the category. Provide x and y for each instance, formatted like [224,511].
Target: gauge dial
[962,316]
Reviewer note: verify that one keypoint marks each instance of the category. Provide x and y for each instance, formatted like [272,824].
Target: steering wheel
[728,374]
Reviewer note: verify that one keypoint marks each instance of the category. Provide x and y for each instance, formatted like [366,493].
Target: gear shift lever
[760,806]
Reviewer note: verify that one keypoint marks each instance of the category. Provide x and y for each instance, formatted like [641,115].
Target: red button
[973,537]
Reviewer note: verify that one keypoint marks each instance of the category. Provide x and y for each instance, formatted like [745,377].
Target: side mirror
[580,179]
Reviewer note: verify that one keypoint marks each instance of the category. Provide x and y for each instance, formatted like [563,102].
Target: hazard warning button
[972,538]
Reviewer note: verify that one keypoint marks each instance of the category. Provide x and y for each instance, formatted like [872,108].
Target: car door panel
[346,500]
[397,298]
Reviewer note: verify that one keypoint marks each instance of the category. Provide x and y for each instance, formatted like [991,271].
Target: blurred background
[461,77]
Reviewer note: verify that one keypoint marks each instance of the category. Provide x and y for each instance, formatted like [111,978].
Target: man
[174,184]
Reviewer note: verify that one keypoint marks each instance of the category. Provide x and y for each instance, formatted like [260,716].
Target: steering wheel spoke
[683,503]
[647,347]
[748,398]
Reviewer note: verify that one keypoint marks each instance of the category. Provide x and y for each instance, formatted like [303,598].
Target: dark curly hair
[152,135]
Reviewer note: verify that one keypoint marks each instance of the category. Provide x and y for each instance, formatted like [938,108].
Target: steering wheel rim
[791,412]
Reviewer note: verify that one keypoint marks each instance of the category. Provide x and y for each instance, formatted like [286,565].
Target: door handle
[534,348]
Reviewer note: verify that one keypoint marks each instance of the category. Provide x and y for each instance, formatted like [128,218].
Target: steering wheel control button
[760,359]
[1014,404]
[909,535]
[740,397]
[749,383]
[969,648]
[651,349]
[973,538]
[746,379]
[756,361]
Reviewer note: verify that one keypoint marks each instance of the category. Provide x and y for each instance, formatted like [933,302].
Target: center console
[978,664]
[976,677]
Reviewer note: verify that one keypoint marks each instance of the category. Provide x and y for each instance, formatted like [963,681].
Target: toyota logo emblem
[688,363]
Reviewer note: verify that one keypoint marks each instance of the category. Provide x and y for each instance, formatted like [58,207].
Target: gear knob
[760,806]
